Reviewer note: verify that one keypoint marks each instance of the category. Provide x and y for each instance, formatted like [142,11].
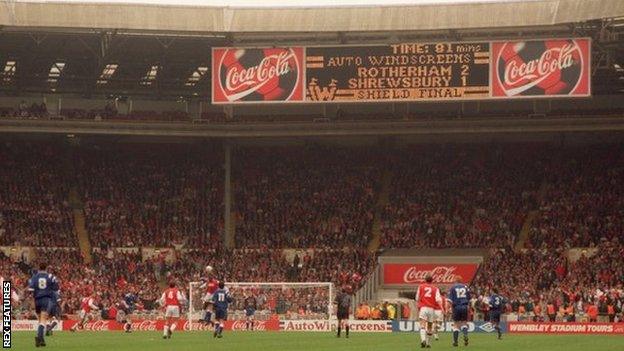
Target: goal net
[286,300]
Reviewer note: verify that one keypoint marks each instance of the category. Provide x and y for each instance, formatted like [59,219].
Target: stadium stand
[33,196]
[169,196]
[305,197]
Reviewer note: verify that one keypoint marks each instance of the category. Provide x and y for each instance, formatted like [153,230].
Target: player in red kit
[87,306]
[171,299]
[428,297]
[211,284]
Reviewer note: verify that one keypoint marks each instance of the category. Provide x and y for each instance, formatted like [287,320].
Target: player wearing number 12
[459,295]
[428,297]
[44,287]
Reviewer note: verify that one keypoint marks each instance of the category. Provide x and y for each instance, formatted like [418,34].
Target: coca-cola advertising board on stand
[183,324]
[442,273]
[541,68]
[256,75]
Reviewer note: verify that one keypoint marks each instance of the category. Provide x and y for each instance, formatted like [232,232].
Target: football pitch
[277,341]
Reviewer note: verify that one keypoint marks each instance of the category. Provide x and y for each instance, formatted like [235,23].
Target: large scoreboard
[398,72]
[402,72]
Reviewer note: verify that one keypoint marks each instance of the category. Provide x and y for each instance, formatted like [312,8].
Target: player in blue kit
[55,314]
[45,287]
[220,299]
[459,295]
[497,305]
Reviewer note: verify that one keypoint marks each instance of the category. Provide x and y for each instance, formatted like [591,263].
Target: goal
[286,300]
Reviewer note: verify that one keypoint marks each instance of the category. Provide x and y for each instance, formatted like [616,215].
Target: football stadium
[312,175]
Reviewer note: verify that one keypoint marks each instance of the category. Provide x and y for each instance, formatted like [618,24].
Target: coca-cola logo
[440,275]
[242,325]
[549,67]
[145,325]
[97,326]
[271,74]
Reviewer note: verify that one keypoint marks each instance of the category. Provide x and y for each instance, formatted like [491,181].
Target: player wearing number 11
[460,298]
[44,287]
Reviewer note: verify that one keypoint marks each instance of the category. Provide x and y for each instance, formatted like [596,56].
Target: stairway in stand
[523,237]
[382,201]
[80,227]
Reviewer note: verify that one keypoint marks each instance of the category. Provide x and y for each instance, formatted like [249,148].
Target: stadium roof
[149,17]
[163,51]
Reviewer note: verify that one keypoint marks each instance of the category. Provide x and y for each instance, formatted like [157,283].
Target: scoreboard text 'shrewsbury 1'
[403,72]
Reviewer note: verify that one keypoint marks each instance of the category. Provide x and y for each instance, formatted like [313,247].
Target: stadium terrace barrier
[473,327]
[30,325]
[565,328]
[157,325]
[326,326]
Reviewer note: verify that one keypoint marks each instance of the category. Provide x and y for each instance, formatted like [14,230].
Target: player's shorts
[495,316]
[172,312]
[207,297]
[426,314]
[460,313]
[438,316]
[250,311]
[342,313]
[56,310]
[84,314]
[44,304]
[220,314]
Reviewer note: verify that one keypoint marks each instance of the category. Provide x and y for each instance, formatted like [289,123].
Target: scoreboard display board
[398,72]
[442,71]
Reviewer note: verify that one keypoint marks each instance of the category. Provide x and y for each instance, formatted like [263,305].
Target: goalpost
[287,300]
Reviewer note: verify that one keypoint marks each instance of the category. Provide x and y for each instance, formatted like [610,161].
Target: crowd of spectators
[152,195]
[124,279]
[460,196]
[321,200]
[33,196]
[538,280]
[584,201]
[305,197]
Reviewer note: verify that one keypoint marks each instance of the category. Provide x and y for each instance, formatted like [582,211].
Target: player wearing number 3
[428,297]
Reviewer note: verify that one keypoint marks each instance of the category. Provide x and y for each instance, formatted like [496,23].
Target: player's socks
[216,330]
[173,327]
[252,325]
[339,331]
[347,331]
[40,331]
[455,336]
[423,336]
[465,332]
[498,331]
[165,331]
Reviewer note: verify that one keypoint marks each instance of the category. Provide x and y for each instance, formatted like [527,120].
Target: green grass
[277,341]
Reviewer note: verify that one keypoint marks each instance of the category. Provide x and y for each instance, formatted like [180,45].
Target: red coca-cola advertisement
[256,75]
[565,328]
[541,68]
[183,324]
[415,273]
